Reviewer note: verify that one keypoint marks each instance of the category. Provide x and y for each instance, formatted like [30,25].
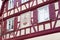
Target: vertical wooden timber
[35,16]
[15,23]
[5,26]
[0,38]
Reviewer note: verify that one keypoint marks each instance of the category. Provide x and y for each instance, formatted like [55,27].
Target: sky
[0,3]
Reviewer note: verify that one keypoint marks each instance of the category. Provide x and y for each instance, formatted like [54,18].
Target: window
[25,20]
[23,1]
[43,13]
[10,24]
[10,4]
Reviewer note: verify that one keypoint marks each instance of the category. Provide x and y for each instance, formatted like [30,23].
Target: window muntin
[10,24]
[10,4]
[43,13]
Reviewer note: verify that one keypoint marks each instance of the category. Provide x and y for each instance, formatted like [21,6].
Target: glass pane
[43,13]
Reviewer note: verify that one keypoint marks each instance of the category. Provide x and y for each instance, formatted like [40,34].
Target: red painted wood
[52,11]
[35,16]
[0,38]
[2,8]
[4,27]
[15,23]
[59,7]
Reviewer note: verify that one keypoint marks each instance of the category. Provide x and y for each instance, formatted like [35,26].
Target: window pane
[43,13]
[10,4]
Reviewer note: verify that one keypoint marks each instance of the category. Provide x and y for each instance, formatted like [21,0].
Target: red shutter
[35,16]
[59,4]
[52,11]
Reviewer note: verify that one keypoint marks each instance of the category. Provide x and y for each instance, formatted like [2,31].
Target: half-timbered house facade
[25,19]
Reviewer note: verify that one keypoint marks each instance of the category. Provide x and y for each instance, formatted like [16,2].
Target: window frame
[10,28]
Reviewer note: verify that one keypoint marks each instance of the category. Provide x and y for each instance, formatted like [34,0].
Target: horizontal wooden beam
[41,33]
